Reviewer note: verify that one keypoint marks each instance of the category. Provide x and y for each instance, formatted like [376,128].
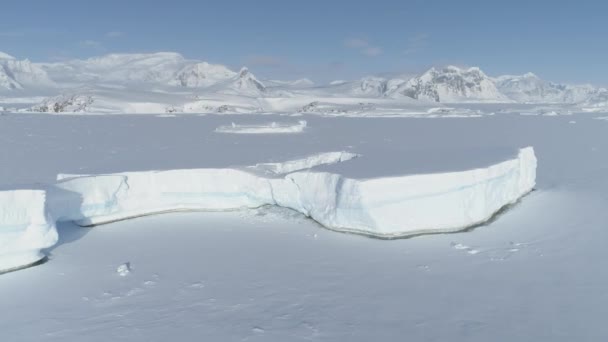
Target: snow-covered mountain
[597,102]
[166,81]
[371,86]
[366,87]
[17,74]
[299,83]
[202,75]
[529,88]
[245,83]
[451,84]
[154,68]
[7,82]
[4,55]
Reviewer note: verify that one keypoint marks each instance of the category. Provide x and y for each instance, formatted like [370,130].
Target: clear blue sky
[558,40]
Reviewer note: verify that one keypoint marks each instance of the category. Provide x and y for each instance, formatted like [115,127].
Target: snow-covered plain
[270,274]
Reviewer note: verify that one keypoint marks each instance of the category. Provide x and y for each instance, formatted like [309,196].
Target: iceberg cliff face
[410,205]
[25,228]
[389,207]
[381,207]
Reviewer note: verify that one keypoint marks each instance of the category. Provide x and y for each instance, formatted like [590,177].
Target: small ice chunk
[124,269]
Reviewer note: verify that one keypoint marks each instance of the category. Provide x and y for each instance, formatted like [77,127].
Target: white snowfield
[25,228]
[388,207]
[270,128]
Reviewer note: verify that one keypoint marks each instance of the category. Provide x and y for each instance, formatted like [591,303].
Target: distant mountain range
[170,72]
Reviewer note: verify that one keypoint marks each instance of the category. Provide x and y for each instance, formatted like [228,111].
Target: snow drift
[387,207]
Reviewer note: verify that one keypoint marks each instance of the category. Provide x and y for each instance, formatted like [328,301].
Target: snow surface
[267,274]
[5,56]
[328,158]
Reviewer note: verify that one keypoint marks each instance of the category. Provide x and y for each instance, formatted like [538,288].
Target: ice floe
[270,128]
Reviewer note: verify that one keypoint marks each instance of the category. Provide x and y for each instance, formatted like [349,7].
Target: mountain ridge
[171,71]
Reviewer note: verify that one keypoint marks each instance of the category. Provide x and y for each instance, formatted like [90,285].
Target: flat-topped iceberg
[269,128]
[388,207]
[382,207]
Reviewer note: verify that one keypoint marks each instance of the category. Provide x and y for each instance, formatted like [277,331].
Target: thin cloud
[93,44]
[363,46]
[372,51]
[356,43]
[114,34]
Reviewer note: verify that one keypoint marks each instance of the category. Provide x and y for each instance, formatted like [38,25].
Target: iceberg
[387,207]
[25,228]
[270,128]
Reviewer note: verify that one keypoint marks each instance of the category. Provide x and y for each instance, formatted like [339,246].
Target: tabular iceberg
[381,207]
[270,128]
[389,207]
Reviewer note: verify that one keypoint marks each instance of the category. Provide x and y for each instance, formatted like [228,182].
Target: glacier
[387,207]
